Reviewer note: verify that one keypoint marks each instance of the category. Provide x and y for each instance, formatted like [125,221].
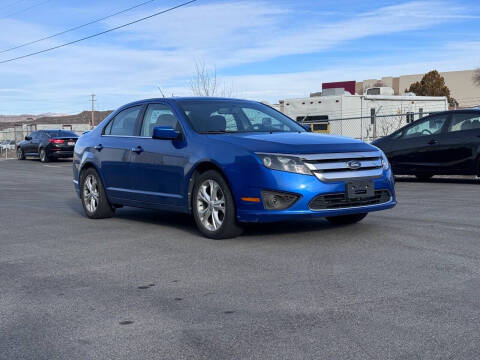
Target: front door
[421,146]
[31,146]
[114,152]
[158,165]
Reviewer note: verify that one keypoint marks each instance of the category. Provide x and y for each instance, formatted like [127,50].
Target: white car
[7,145]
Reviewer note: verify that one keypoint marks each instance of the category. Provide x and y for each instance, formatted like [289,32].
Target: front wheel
[94,198]
[20,154]
[346,219]
[213,207]
[43,156]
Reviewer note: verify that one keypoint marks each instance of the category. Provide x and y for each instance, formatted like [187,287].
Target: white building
[360,116]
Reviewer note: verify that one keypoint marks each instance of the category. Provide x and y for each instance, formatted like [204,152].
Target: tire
[43,156]
[423,177]
[20,154]
[214,221]
[93,196]
[346,219]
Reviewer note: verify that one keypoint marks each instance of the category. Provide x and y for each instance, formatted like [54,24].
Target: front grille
[343,166]
[340,201]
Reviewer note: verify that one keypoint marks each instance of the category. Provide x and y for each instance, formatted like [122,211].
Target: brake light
[56,141]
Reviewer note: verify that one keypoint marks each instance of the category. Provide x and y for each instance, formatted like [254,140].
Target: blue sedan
[227,162]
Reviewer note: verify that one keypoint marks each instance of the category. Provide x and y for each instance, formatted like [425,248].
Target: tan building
[460,83]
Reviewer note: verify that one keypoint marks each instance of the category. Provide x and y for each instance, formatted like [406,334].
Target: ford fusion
[226,162]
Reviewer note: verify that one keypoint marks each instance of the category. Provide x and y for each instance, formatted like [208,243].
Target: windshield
[226,116]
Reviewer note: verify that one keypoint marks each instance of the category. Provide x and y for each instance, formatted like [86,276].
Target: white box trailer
[361,116]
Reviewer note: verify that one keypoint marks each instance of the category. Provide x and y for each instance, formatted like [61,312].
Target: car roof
[186,98]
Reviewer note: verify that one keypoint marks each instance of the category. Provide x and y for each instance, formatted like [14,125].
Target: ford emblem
[354,164]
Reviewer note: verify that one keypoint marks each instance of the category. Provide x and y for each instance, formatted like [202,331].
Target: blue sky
[263,50]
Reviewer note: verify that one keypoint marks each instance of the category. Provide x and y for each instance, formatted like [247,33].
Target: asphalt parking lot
[402,284]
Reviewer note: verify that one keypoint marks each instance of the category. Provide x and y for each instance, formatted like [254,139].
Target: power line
[98,34]
[11,4]
[26,9]
[76,27]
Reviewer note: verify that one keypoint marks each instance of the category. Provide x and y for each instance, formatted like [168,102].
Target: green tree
[432,84]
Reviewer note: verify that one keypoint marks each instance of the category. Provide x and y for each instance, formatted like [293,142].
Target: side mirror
[165,133]
[307,127]
[28,138]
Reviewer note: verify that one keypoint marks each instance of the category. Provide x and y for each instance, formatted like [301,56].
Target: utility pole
[92,125]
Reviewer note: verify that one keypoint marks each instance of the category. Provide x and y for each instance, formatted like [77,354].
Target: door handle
[433,142]
[138,149]
[99,147]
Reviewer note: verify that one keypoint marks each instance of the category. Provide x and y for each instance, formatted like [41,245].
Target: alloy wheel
[91,193]
[211,205]
[43,155]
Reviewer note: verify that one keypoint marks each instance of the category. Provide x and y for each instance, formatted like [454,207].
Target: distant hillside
[82,118]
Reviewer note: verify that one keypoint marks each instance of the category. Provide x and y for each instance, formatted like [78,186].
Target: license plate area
[71,143]
[360,189]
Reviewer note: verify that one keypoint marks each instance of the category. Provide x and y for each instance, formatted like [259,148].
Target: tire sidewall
[230,221]
[44,158]
[104,209]
[20,155]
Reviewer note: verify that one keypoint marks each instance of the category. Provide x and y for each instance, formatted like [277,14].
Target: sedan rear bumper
[61,154]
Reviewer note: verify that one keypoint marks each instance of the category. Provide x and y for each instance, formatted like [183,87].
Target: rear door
[158,165]
[114,152]
[463,142]
[420,147]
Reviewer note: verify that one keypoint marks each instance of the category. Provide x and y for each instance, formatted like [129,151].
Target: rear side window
[158,115]
[464,122]
[123,124]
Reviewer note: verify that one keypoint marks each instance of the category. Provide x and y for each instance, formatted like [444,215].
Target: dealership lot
[404,283]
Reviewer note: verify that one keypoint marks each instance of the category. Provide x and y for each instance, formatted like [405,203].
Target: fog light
[278,200]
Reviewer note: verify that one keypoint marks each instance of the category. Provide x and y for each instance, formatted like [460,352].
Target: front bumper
[308,187]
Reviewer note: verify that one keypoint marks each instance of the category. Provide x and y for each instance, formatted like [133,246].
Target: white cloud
[129,64]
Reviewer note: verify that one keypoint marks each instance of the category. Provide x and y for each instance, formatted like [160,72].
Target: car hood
[293,143]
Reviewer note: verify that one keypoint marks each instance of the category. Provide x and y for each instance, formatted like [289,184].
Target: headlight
[385,163]
[284,163]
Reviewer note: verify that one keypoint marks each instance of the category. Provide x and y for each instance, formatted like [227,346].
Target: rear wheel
[213,207]
[423,177]
[94,198]
[346,219]
[20,154]
[43,156]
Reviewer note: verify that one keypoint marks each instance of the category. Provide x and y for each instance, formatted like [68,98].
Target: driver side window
[427,127]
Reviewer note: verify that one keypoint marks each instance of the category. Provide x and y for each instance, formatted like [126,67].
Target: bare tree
[476,77]
[205,82]
[161,92]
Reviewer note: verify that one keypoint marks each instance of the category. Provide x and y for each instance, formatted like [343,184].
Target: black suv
[445,143]
[47,144]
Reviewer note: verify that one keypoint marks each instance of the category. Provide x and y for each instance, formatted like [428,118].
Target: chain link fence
[366,128]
